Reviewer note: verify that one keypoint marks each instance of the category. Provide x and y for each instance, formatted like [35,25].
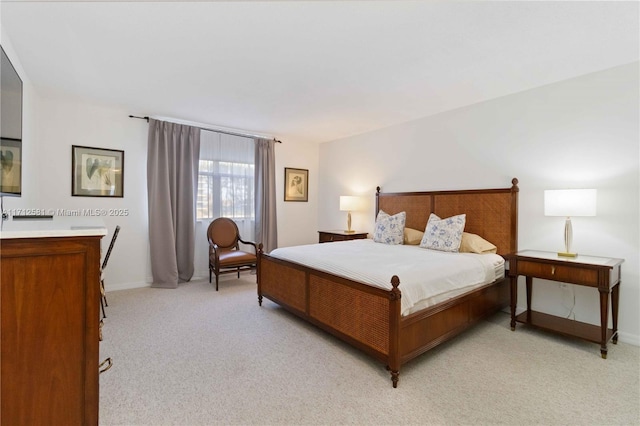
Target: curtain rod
[244,135]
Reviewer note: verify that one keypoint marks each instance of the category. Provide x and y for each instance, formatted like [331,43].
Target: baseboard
[201,275]
[142,284]
[632,339]
[126,286]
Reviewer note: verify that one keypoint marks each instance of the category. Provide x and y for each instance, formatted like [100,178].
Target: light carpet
[194,356]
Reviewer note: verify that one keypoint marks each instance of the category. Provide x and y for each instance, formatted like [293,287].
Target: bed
[370,317]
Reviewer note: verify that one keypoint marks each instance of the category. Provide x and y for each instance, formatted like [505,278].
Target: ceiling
[311,70]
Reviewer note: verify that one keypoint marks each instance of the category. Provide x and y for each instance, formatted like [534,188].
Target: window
[226,179]
[225,189]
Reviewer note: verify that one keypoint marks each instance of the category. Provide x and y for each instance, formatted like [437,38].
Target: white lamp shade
[349,203]
[570,202]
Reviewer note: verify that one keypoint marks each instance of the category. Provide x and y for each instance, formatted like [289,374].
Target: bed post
[259,253]
[394,330]
[514,215]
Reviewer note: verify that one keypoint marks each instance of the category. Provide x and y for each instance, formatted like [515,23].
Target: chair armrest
[251,243]
[213,246]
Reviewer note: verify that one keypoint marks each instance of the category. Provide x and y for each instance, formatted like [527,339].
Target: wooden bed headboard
[491,213]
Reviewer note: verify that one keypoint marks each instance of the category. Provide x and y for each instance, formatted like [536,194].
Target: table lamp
[567,203]
[348,204]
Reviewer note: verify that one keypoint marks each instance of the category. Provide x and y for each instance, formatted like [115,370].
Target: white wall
[579,133]
[297,221]
[66,122]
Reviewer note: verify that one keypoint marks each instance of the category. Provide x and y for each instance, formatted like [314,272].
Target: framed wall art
[97,172]
[296,184]
[10,167]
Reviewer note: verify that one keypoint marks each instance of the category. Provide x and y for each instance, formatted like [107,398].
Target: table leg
[604,320]
[514,300]
[615,297]
[529,282]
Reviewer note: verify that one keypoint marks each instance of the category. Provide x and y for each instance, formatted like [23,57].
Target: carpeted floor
[192,356]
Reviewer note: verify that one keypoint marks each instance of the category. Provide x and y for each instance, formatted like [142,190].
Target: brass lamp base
[568,239]
[563,254]
[349,231]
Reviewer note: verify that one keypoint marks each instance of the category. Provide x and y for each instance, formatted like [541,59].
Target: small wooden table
[329,236]
[602,273]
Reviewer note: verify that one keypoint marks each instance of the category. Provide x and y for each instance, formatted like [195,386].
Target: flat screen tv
[10,129]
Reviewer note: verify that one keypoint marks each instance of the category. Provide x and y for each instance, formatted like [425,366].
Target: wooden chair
[225,255]
[103,295]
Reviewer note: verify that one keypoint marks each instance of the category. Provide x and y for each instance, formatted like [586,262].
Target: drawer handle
[100,330]
[553,270]
[109,365]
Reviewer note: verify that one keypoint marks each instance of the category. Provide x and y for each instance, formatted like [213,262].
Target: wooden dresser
[50,300]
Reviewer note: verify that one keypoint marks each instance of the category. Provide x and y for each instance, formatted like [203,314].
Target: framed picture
[296,184]
[10,167]
[96,172]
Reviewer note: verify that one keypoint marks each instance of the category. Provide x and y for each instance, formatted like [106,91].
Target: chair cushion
[234,257]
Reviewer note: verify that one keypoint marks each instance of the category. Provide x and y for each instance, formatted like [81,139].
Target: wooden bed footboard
[364,316]
[369,318]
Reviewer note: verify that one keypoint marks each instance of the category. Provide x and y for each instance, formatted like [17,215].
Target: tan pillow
[412,237]
[472,243]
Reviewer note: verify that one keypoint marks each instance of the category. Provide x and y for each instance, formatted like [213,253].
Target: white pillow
[443,234]
[389,229]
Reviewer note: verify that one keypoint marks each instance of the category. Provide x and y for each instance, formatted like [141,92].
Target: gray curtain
[265,193]
[172,185]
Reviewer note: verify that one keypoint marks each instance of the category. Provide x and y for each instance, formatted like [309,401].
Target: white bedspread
[427,277]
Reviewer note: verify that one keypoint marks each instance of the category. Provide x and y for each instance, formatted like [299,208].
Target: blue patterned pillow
[389,229]
[443,234]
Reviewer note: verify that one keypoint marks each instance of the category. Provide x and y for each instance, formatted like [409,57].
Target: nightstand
[330,236]
[602,273]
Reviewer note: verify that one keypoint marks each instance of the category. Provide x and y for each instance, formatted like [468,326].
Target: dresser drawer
[327,238]
[330,236]
[561,273]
